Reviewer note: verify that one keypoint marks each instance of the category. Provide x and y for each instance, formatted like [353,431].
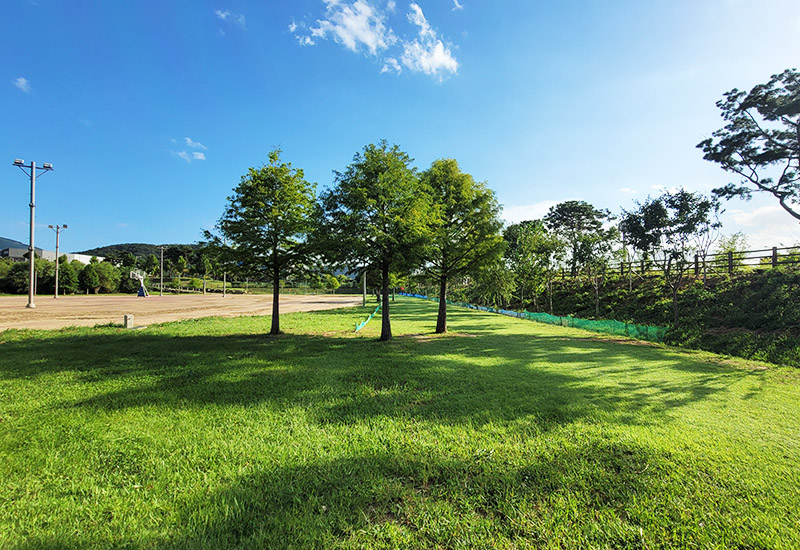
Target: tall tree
[464,228]
[762,135]
[375,216]
[68,278]
[182,266]
[666,227]
[580,225]
[149,264]
[266,223]
[533,254]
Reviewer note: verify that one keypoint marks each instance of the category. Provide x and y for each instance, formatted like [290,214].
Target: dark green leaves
[762,134]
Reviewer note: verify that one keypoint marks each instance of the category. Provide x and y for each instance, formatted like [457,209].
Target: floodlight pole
[57,229]
[31,250]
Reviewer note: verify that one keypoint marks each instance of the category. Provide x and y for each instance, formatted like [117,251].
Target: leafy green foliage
[762,134]
[375,216]
[331,282]
[755,315]
[67,277]
[667,227]
[89,278]
[534,255]
[464,228]
[580,226]
[266,223]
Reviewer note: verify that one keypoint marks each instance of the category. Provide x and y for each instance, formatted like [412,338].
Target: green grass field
[502,434]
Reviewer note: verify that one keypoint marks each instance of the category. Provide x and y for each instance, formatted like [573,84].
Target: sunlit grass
[504,434]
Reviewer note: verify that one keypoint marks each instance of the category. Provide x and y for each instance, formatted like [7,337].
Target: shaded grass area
[504,434]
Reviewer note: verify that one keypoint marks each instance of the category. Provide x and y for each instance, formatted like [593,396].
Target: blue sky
[151,111]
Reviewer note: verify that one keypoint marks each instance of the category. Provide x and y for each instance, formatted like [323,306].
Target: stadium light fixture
[58,229]
[18,162]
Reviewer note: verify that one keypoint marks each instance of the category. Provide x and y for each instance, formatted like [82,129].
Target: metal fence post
[774,256]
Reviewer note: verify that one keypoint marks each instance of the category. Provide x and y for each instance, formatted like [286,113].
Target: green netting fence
[362,324]
[640,332]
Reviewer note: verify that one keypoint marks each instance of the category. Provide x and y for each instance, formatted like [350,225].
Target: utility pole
[57,229]
[46,167]
[161,273]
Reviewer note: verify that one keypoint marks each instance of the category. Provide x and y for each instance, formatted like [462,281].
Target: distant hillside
[137,249]
[11,243]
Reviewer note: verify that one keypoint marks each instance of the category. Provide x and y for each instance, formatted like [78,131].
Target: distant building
[18,254]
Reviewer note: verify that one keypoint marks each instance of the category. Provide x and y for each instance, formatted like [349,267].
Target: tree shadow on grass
[407,499]
[380,500]
[450,379]
[398,495]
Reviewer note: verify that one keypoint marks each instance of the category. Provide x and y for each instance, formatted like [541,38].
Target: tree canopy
[464,228]
[266,222]
[761,137]
[579,224]
[375,215]
[666,227]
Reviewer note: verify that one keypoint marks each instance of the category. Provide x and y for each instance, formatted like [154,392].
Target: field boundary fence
[716,264]
[618,328]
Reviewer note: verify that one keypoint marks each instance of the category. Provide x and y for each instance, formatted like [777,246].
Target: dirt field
[92,310]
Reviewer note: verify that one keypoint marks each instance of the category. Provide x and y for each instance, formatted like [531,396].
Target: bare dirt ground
[93,310]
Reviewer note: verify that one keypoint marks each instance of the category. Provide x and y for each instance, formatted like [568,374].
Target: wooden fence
[714,264]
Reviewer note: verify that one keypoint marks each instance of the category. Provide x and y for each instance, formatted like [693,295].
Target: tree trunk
[675,305]
[596,298]
[386,327]
[441,319]
[276,323]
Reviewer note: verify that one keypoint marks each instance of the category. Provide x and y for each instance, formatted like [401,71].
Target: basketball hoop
[138,274]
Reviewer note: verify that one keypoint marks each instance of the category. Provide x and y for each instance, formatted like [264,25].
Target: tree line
[439,227]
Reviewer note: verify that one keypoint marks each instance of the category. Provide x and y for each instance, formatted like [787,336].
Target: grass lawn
[503,434]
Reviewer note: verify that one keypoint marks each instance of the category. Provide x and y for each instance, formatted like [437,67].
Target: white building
[18,254]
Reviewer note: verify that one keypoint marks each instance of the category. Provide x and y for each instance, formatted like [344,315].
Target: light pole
[57,229]
[46,167]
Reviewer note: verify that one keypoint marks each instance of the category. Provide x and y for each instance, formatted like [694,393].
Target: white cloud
[627,190]
[418,18]
[23,84]
[427,53]
[189,156]
[361,26]
[194,144]
[522,212]
[355,25]
[765,226]
[457,6]
[182,154]
[391,64]
[230,17]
